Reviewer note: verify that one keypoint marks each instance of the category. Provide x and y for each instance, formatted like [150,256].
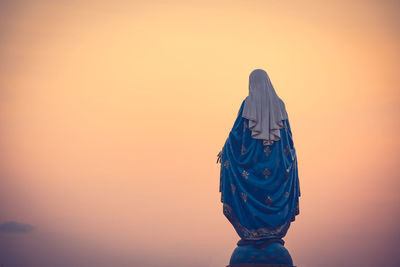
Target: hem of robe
[260,233]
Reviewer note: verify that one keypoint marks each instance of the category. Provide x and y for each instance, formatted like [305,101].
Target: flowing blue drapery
[259,184]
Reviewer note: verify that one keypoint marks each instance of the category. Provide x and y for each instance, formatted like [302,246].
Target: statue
[259,181]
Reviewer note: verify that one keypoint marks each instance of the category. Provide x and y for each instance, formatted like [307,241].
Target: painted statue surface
[259,181]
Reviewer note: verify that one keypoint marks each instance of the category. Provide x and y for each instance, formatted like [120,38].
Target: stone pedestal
[271,253]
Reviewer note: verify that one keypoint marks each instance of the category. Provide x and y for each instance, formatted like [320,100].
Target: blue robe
[259,184]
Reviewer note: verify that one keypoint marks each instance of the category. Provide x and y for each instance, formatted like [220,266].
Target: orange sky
[112,115]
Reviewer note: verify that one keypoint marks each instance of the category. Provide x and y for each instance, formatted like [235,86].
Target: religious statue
[259,181]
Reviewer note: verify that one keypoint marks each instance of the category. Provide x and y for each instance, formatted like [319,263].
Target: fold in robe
[259,183]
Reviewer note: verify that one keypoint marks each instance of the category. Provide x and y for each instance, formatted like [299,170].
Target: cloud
[15,227]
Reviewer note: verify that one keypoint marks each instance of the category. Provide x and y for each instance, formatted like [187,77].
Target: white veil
[263,108]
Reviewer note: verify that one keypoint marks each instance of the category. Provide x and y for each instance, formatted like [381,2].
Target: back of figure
[259,181]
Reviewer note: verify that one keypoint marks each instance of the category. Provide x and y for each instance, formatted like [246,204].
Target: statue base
[265,253]
[258,265]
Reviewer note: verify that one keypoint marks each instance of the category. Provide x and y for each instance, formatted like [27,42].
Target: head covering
[263,108]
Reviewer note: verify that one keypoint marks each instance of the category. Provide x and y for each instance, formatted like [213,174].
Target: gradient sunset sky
[112,114]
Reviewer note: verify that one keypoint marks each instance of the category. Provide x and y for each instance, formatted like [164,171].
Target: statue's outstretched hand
[219,157]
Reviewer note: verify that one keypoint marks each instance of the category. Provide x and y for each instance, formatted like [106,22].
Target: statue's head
[258,80]
[258,73]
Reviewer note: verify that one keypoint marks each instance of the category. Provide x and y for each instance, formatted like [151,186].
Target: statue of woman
[259,182]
